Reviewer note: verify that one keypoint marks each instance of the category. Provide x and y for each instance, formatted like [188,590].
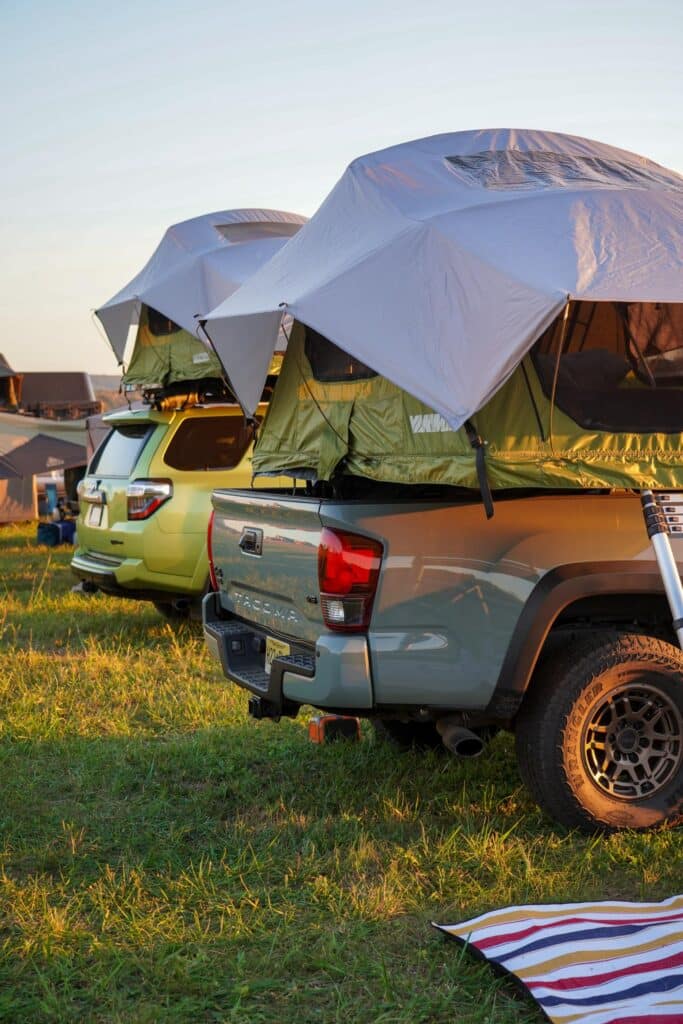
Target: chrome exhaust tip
[460,741]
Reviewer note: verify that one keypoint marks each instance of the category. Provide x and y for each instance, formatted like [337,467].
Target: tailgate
[265,552]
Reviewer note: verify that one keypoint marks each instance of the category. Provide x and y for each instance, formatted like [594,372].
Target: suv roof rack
[184,393]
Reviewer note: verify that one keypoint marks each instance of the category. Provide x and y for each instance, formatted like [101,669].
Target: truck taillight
[348,570]
[213,581]
[146,496]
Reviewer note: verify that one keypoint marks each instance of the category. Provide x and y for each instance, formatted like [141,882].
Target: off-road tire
[599,735]
[408,735]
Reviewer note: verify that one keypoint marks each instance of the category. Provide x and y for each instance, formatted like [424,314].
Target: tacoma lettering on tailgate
[281,616]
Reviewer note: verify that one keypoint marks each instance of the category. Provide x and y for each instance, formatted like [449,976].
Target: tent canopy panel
[441,261]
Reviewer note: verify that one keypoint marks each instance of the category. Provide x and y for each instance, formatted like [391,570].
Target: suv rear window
[216,442]
[120,450]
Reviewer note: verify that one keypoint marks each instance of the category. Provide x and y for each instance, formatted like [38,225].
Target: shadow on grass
[152,800]
[243,873]
[240,874]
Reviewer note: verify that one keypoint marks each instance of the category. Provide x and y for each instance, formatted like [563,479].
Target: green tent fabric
[371,428]
[164,354]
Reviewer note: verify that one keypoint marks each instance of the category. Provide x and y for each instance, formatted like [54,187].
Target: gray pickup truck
[549,620]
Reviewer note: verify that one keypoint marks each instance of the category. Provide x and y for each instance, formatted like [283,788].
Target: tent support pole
[560,347]
[657,525]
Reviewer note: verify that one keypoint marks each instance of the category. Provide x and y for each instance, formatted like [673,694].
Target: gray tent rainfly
[40,455]
[197,264]
[440,262]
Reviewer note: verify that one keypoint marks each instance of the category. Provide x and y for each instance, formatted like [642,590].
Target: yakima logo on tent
[429,423]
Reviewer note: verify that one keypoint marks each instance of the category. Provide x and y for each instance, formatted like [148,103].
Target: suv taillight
[146,496]
[213,582]
[348,570]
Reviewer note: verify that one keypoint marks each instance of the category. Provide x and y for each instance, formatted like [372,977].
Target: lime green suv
[145,502]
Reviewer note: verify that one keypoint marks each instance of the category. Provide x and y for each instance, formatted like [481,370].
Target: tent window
[216,442]
[160,324]
[329,363]
[621,367]
[513,169]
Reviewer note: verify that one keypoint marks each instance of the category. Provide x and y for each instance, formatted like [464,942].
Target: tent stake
[657,525]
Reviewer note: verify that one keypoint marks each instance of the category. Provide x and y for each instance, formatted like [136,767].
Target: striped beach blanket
[593,963]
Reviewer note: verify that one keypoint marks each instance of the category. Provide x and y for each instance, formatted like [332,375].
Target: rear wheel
[600,734]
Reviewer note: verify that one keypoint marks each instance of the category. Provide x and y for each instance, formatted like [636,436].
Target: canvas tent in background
[10,386]
[42,454]
[18,501]
[197,264]
[439,264]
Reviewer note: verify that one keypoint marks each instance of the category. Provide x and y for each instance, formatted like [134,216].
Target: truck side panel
[453,585]
[451,591]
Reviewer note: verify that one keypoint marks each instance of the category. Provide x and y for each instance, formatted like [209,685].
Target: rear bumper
[101,573]
[333,675]
[128,577]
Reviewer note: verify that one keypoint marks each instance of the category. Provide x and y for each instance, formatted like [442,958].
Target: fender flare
[559,588]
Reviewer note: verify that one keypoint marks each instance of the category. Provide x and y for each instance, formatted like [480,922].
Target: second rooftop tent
[151,324]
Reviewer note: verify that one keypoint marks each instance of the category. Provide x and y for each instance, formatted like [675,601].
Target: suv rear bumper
[126,578]
[100,572]
[333,675]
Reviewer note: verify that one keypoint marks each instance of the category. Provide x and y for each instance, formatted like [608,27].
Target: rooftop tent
[165,353]
[10,386]
[197,264]
[441,262]
[598,402]
[59,394]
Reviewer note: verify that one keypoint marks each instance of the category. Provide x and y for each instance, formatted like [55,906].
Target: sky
[120,119]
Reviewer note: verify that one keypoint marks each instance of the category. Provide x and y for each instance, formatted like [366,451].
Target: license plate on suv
[275,649]
[95,515]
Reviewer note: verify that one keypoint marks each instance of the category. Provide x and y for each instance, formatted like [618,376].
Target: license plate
[95,515]
[274,649]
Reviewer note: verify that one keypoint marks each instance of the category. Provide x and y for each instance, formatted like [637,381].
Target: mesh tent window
[331,364]
[620,368]
[159,324]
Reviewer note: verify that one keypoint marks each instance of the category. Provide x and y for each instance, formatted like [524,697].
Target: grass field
[165,859]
